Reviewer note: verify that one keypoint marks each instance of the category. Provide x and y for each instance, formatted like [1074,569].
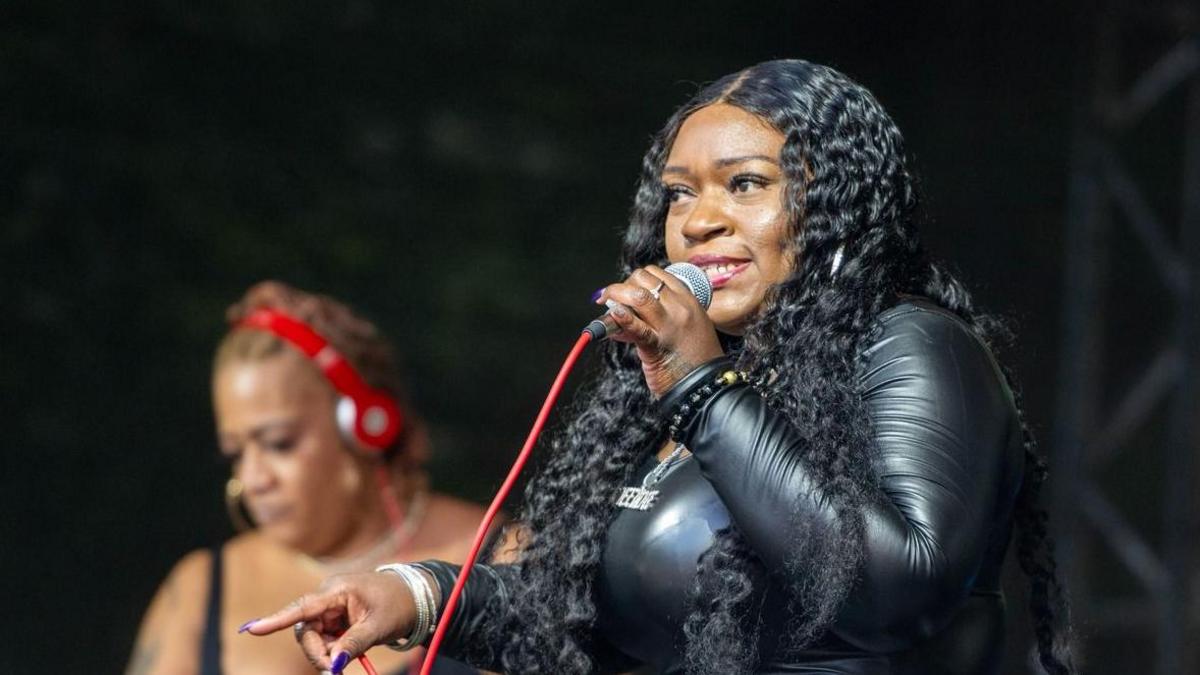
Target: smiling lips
[720,269]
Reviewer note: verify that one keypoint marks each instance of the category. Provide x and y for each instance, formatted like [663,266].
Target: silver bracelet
[423,599]
[427,590]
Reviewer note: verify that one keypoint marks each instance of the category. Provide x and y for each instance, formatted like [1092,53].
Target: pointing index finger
[305,608]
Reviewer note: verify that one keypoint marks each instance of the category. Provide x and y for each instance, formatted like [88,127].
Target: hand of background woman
[672,332]
[343,618]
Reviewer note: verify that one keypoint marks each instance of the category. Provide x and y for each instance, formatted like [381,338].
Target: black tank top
[210,646]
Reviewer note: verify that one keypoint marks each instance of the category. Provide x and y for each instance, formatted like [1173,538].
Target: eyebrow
[262,429]
[725,162]
[729,161]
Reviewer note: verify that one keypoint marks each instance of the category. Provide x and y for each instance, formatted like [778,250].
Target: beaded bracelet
[694,398]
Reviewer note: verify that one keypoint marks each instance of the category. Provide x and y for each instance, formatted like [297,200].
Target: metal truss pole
[1104,195]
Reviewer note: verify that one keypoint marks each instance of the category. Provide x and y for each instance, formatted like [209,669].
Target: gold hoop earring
[234,507]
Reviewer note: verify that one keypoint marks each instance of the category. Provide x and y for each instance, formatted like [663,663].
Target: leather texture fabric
[948,458]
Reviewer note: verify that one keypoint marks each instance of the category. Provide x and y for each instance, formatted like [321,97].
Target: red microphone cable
[486,524]
[697,282]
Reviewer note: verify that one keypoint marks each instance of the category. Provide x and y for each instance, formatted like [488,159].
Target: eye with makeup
[744,183]
[676,191]
[740,184]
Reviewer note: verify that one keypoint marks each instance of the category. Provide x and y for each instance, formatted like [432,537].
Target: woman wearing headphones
[326,469]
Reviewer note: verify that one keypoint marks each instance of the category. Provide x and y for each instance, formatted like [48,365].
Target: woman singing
[819,474]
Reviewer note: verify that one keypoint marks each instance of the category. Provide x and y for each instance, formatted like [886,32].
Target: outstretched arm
[343,618]
[351,613]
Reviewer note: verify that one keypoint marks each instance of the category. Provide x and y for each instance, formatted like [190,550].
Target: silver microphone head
[695,279]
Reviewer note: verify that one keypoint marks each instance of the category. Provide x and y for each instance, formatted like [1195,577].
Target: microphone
[693,277]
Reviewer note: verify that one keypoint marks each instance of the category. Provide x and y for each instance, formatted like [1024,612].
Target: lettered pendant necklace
[643,497]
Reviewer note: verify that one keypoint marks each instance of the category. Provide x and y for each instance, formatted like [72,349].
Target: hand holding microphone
[662,312]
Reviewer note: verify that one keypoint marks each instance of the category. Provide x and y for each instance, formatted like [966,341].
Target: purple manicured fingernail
[596,295]
[246,626]
[340,661]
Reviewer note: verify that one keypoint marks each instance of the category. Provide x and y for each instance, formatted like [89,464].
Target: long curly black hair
[847,189]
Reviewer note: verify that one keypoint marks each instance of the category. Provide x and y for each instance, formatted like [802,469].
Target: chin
[283,534]
[727,321]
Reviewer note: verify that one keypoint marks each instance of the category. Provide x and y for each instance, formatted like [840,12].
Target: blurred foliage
[459,172]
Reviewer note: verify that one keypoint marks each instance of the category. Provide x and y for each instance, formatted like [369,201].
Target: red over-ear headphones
[368,418]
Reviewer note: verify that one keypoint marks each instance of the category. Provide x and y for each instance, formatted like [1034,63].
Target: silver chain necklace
[642,498]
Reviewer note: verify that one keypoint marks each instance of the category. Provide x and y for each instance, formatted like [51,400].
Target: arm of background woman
[942,420]
[169,638]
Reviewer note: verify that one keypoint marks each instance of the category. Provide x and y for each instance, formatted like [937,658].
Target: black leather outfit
[949,463]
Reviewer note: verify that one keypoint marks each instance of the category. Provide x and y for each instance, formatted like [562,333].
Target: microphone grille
[695,279]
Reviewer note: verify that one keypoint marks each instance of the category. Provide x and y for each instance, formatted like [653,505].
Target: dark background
[461,173]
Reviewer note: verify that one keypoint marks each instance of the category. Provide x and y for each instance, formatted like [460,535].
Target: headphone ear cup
[347,421]
[371,425]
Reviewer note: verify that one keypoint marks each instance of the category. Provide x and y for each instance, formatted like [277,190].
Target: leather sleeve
[473,635]
[942,419]
[477,633]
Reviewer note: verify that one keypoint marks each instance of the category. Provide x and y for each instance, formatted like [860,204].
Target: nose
[706,220]
[254,470]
